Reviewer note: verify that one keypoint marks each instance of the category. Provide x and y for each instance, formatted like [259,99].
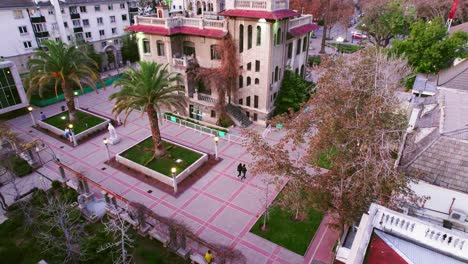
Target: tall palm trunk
[69,99]
[155,133]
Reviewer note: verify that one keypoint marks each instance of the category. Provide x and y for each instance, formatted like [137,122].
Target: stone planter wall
[159,176]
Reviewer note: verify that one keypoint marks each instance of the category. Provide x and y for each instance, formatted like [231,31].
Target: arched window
[298,48]
[241,38]
[257,81]
[296,71]
[249,37]
[146,46]
[241,81]
[249,81]
[160,48]
[304,44]
[276,74]
[302,70]
[259,35]
[278,37]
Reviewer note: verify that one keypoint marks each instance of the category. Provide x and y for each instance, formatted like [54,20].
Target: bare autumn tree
[352,126]
[430,9]
[121,242]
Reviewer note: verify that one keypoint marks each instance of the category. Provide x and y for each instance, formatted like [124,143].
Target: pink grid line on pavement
[218,206]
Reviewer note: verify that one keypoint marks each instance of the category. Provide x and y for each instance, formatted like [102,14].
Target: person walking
[208,257]
[244,171]
[239,170]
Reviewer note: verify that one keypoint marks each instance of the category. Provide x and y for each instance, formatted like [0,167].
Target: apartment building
[26,23]
[269,39]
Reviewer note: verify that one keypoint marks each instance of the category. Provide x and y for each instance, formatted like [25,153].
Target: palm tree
[149,89]
[62,66]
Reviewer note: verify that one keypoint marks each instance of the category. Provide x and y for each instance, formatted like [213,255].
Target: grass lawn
[149,251]
[345,48]
[84,122]
[282,230]
[142,153]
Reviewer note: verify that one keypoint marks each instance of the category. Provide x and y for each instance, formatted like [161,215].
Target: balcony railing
[181,62]
[266,5]
[300,21]
[173,22]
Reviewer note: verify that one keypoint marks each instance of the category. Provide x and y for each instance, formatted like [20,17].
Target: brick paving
[218,207]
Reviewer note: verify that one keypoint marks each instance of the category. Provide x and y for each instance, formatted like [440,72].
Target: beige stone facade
[269,39]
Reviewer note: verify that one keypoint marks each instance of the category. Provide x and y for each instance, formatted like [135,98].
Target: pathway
[218,207]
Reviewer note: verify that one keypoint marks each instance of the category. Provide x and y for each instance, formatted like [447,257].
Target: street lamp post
[216,139]
[30,109]
[339,40]
[70,126]
[77,99]
[106,143]
[174,181]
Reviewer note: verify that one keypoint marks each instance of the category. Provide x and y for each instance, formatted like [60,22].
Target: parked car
[358,35]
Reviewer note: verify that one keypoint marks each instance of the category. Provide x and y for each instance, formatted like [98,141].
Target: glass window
[241,38]
[249,37]
[86,22]
[249,66]
[114,31]
[214,51]
[116,41]
[76,23]
[50,11]
[88,35]
[122,5]
[241,101]
[39,27]
[99,21]
[97,8]
[249,81]
[213,114]
[103,44]
[257,81]
[304,44]
[101,32]
[112,19]
[255,117]
[124,17]
[256,101]
[27,44]
[276,73]
[110,7]
[290,47]
[279,37]
[257,65]
[73,10]
[247,101]
[23,30]
[146,46]
[241,81]
[8,92]
[259,35]
[160,48]
[65,24]
[298,48]
[18,14]
[83,9]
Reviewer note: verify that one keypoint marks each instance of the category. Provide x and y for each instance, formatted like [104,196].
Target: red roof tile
[278,14]
[379,252]
[298,31]
[211,33]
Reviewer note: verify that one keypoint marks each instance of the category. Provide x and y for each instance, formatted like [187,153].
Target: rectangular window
[255,117]
[110,6]
[50,11]
[247,114]
[249,66]
[69,38]
[97,8]
[298,49]
[65,24]
[99,20]
[124,17]
[103,44]
[257,65]
[76,23]
[116,41]
[122,5]
[112,19]
[213,114]
[85,22]
[8,90]
[18,14]
[88,35]
[27,44]
[39,27]
[247,101]
[256,101]
[73,10]
[241,101]
[160,48]
[214,52]
[101,32]
[304,45]
[83,9]
[23,30]
[290,47]
[146,46]
[57,39]
[114,31]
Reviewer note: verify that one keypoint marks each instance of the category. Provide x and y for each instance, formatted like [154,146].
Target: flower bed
[140,158]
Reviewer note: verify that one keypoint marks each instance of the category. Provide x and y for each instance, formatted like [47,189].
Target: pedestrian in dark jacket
[244,171]
[239,170]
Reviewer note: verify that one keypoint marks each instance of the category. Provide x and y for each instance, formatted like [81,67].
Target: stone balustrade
[300,21]
[173,22]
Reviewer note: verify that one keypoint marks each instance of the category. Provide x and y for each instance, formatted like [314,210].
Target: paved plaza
[218,207]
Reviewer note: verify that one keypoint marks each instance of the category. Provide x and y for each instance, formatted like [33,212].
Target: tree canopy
[130,48]
[429,48]
[293,93]
[385,20]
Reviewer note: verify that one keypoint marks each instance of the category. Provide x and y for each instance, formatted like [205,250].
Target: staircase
[239,116]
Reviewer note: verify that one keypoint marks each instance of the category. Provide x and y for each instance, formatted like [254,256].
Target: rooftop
[270,15]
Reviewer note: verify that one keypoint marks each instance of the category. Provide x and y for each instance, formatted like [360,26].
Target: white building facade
[269,39]
[25,23]
[12,95]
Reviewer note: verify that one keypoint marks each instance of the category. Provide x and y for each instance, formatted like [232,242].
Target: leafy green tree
[64,66]
[429,48]
[149,89]
[383,21]
[130,48]
[89,49]
[294,91]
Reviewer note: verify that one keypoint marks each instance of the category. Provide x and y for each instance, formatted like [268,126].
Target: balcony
[38,19]
[300,21]
[77,29]
[174,22]
[264,5]
[75,16]
[43,34]
[133,10]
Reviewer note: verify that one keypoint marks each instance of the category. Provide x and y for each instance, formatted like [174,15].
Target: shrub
[294,91]
[225,121]
[19,166]
[314,60]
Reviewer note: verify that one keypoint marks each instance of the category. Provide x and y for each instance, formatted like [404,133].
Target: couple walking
[241,169]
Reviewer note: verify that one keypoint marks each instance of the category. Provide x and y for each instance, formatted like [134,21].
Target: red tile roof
[379,252]
[211,33]
[278,14]
[298,31]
